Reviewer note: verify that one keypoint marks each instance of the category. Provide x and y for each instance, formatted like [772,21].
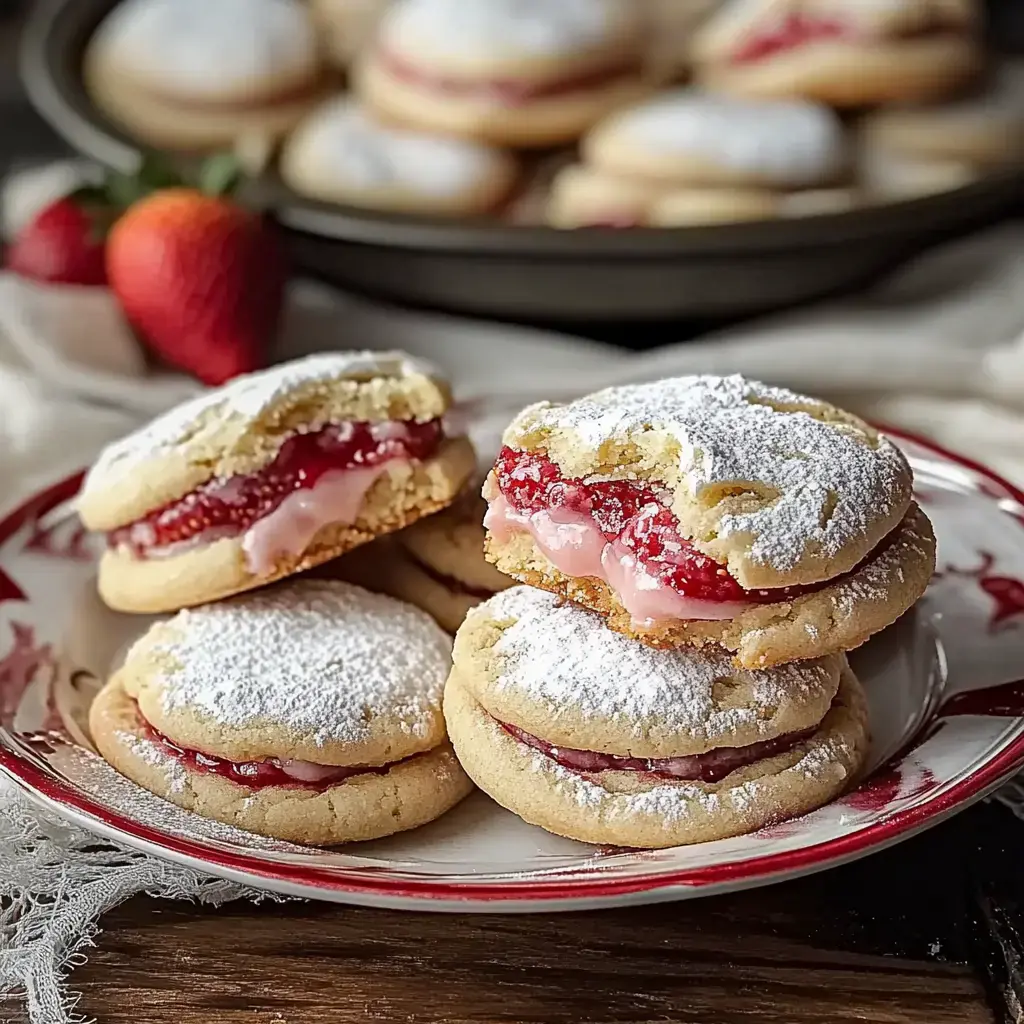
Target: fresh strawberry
[63,243]
[200,278]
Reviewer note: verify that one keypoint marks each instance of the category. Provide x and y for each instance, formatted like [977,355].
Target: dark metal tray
[537,273]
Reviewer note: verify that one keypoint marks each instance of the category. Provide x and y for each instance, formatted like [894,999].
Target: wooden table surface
[898,937]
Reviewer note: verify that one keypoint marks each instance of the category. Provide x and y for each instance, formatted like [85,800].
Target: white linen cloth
[939,350]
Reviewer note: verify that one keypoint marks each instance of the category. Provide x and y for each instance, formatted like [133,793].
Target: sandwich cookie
[583,196]
[910,150]
[195,74]
[271,474]
[521,73]
[309,712]
[712,510]
[686,137]
[846,53]
[347,26]
[594,737]
[341,154]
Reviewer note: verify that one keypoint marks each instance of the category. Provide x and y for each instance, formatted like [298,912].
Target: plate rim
[370,885]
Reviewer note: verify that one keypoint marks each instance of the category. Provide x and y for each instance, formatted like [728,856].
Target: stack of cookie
[310,710]
[700,553]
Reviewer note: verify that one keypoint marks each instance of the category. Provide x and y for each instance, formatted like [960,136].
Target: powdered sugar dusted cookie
[309,712]
[342,154]
[347,25]
[983,130]
[687,137]
[592,736]
[196,74]
[846,53]
[706,509]
[514,72]
[271,474]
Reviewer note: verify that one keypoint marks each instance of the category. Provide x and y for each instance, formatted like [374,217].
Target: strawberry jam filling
[789,33]
[623,533]
[709,767]
[261,774]
[505,92]
[316,479]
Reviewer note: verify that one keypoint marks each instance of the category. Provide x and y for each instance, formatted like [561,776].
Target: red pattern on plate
[18,668]
[1007,592]
[927,801]
[886,786]
[60,540]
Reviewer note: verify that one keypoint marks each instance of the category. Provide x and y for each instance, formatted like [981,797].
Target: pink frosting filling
[575,545]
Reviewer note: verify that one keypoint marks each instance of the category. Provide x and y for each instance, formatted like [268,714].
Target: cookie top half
[554,670]
[240,427]
[219,51]
[782,488]
[493,37]
[867,20]
[340,153]
[316,670]
[694,137]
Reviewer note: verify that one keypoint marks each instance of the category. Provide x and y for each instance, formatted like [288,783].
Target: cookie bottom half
[839,617]
[411,793]
[842,74]
[636,810]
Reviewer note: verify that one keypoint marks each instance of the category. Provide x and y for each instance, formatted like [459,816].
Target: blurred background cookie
[346,26]
[190,74]
[983,130]
[687,157]
[843,52]
[523,74]
[341,154]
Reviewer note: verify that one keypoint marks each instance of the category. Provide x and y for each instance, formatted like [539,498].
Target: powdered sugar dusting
[831,481]
[362,154]
[561,655]
[210,47]
[247,397]
[788,143]
[319,658]
[154,755]
[499,29]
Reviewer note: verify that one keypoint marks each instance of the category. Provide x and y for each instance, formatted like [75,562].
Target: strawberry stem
[220,175]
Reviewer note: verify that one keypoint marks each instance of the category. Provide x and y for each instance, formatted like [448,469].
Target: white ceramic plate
[947,706]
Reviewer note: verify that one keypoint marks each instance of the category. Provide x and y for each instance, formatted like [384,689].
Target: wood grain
[722,960]
[879,941]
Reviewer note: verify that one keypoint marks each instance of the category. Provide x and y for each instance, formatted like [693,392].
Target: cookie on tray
[347,26]
[342,154]
[309,712]
[592,736]
[191,74]
[522,74]
[689,137]
[712,510]
[846,53]
[978,132]
[685,157]
[271,474]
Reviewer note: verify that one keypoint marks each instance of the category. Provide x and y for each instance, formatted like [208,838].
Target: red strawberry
[200,278]
[62,244]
